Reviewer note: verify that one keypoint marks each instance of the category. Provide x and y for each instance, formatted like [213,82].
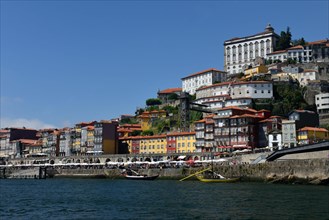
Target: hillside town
[267,97]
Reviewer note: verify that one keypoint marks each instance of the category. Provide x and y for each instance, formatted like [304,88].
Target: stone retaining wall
[315,171]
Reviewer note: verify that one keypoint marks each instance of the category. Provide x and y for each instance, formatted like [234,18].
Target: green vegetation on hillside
[153,102]
[287,97]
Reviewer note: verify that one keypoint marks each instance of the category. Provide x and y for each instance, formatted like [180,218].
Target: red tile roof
[124,130]
[27,141]
[245,116]
[298,47]
[170,90]
[318,42]
[180,133]
[278,52]
[303,111]
[275,116]
[309,71]
[313,129]
[264,110]
[231,107]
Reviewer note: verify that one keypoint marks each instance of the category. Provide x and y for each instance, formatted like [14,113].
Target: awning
[225,147]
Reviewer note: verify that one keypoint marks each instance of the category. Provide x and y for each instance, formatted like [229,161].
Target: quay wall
[310,171]
[292,171]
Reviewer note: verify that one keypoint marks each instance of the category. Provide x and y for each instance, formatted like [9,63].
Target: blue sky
[64,62]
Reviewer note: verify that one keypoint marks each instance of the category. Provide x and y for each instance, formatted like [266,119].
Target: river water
[159,199]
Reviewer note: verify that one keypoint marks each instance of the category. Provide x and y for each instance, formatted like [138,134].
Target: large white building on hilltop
[239,53]
[204,78]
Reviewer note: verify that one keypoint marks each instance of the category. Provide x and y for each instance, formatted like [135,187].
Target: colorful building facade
[310,135]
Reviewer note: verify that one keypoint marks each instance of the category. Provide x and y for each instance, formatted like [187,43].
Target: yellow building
[80,137]
[255,70]
[185,141]
[76,141]
[309,135]
[153,144]
[90,137]
[147,118]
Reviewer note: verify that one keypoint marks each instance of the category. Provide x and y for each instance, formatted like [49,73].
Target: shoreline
[307,172]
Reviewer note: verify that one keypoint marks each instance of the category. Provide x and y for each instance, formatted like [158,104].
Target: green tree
[287,98]
[284,40]
[161,125]
[139,111]
[173,96]
[300,41]
[129,121]
[195,116]
[136,133]
[152,108]
[291,61]
[170,109]
[147,133]
[152,102]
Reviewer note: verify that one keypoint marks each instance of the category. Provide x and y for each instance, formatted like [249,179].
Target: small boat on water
[212,177]
[209,176]
[133,175]
[141,177]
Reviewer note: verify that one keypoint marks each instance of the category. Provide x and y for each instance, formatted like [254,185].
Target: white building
[275,140]
[305,76]
[322,103]
[239,53]
[203,78]
[65,143]
[289,137]
[234,93]
[298,53]
[281,55]
[316,51]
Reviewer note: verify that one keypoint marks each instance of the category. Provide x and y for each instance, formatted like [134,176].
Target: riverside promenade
[308,164]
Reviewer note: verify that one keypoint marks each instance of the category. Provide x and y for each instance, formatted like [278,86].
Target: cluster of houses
[97,137]
[231,129]
[232,124]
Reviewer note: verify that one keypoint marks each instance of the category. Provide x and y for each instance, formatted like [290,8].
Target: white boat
[141,177]
[133,175]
